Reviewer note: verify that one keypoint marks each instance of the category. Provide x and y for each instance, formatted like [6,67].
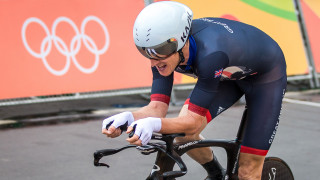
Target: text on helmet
[187,28]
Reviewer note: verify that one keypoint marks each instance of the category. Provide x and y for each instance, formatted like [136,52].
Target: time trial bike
[169,154]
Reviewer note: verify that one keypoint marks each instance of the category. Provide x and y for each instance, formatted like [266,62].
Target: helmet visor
[160,51]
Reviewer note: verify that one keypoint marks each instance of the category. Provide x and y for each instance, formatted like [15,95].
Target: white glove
[145,127]
[118,120]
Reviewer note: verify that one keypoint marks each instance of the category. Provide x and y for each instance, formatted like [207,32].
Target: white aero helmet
[162,28]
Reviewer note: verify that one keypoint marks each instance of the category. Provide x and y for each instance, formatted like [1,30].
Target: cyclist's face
[166,66]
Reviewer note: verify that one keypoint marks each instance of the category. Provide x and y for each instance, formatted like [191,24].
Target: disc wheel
[275,168]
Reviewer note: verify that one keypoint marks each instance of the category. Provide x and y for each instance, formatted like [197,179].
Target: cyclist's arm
[160,97]
[153,109]
[158,106]
[189,124]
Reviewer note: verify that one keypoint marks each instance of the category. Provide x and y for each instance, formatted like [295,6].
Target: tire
[275,168]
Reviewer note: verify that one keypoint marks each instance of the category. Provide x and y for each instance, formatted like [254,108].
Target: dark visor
[160,51]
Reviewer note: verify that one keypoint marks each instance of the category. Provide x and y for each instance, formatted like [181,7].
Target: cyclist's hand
[114,122]
[144,129]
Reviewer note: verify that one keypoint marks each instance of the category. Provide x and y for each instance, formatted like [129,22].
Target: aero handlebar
[166,148]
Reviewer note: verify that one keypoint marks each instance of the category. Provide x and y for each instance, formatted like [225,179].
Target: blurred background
[66,51]
[69,63]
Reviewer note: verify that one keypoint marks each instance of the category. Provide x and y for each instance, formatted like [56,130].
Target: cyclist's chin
[164,70]
[166,73]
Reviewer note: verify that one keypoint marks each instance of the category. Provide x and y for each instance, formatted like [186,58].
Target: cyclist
[229,59]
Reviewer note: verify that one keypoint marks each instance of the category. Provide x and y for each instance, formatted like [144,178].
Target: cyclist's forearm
[153,109]
[188,124]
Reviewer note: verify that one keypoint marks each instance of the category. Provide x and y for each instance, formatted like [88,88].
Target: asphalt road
[65,151]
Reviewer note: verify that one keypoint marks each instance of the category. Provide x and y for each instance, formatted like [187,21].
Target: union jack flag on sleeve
[218,73]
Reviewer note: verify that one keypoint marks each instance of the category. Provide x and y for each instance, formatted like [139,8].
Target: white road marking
[301,102]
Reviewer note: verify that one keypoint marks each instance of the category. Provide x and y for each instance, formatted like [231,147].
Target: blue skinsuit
[231,59]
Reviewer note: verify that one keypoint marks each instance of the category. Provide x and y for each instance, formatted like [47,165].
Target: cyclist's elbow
[192,131]
[194,126]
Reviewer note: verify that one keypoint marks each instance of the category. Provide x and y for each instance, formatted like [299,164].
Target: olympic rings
[61,46]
